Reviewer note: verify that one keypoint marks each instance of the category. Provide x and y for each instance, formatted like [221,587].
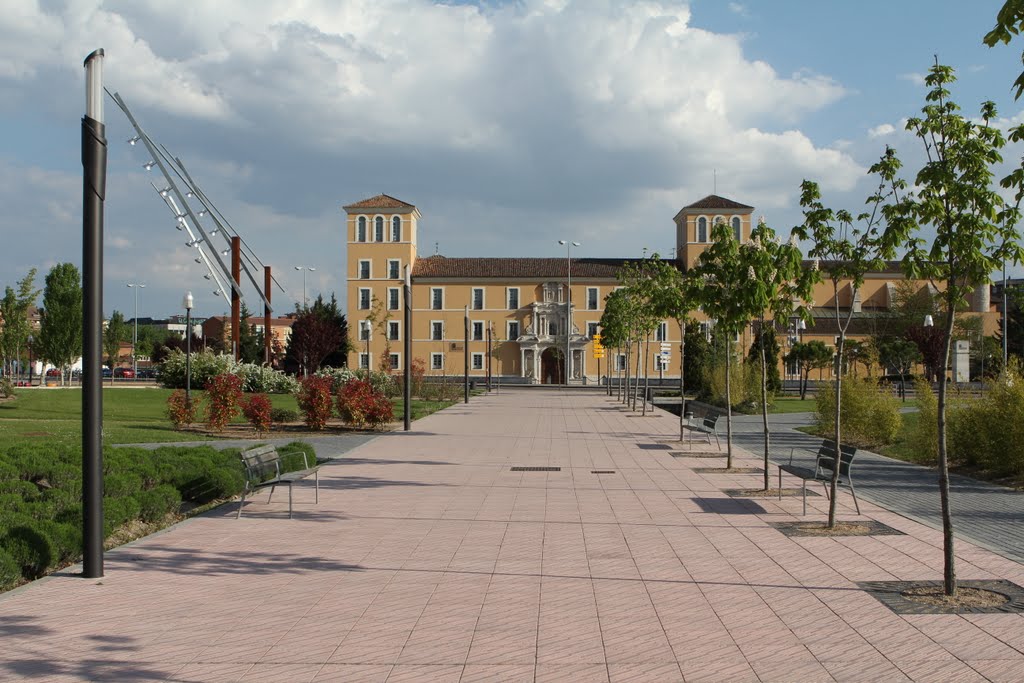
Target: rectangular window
[437,361]
[394,268]
[661,334]
[478,330]
[513,330]
[436,298]
[361,229]
[393,358]
[364,360]
[393,330]
[620,361]
[553,329]
[793,367]
[364,299]
[365,330]
[393,298]
[478,361]
[437,330]
[378,229]
[592,295]
[513,298]
[396,229]
[705,327]
[478,299]
[364,270]
[592,329]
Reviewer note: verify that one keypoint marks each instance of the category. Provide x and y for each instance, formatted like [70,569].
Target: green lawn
[130,415]
[787,404]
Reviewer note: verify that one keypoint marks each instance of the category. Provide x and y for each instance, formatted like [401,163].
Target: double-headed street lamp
[568,308]
[304,269]
[135,335]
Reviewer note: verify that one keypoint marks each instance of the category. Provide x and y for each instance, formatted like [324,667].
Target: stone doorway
[552,367]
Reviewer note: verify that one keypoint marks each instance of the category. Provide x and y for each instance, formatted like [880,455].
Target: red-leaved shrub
[314,400]
[223,399]
[417,370]
[360,405]
[257,410]
[181,410]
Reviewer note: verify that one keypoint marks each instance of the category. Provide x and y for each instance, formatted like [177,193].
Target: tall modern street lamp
[135,335]
[31,361]
[304,269]
[568,309]
[187,304]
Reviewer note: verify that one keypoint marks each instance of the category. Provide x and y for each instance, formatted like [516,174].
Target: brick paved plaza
[427,559]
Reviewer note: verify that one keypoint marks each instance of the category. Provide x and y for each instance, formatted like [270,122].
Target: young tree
[1009,22]
[776,282]
[14,309]
[116,332]
[60,331]
[330,312]
[848,249]
[250,342]
[974,231]
[638,280]
[812,355]
[900,354]
[614,324]
[313,339]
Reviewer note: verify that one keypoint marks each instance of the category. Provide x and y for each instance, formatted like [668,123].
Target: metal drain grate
[536,469]
[654,446]
[602,471]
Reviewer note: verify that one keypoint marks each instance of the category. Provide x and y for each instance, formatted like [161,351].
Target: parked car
[53,372]
[126,373]
[107,373]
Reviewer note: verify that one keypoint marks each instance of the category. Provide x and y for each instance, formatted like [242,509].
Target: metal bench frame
[263,468]
[706,422]
[824,461]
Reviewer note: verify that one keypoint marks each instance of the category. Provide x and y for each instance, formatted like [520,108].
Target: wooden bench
[263,468]
[823,468]
[704,420]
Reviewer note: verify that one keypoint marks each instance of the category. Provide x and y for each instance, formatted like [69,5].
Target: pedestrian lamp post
[568,308]
[135,334]
[304,269]
[930,322]
[366,336]
[31,362]
[187,303]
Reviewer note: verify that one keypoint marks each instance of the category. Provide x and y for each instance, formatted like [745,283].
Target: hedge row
[41,496]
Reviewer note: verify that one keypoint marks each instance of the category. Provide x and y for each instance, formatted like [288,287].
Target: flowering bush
[180,409]
[383,382]
[338,376]
[361,405]
[257,409]
[223,399]
[206,365]
[314,398]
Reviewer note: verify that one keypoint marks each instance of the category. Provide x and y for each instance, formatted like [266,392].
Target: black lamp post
[187,303]
[30,361]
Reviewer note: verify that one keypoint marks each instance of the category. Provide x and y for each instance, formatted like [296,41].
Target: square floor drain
[654,446]
[536,469]
[891,594]
[602,471]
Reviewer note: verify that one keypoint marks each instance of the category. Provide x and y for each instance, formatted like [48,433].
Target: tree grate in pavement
[803,528]
[602,471]
[890,594]
[772,493]
[684,454]
[654,446]
[723,470]
[536,469]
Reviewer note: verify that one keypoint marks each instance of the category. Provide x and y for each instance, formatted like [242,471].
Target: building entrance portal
[552,367]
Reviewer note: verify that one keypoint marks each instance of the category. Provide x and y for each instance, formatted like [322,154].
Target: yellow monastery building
[522,301]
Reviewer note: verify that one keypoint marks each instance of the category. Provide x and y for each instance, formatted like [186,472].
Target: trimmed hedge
[41,496]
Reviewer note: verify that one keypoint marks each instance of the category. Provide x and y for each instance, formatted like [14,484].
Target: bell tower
[694,223]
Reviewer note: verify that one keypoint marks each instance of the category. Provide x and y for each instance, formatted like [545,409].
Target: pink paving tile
[717,669]
[212,673]
[488,673]
[353,673]
[410,673]
[575,673]
[645,673]
[949,671]
[999,670]
[858,672]
[282,672]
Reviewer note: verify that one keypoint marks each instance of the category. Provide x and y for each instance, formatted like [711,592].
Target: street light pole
[304,269]
[465,356]
[135,335]
[187,303]
[568,309]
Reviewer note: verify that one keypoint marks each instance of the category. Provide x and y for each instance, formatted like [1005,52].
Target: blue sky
[508,125]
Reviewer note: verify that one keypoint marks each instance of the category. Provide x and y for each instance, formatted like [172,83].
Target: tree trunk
[647,374]
[837,423]
[682,384]
[728,403]
[805,374]
[636,378]
[625,377]
[764,402]
[949,565]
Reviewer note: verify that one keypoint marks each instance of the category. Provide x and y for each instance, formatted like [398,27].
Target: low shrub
[257,410]
[987,432]
[283,415]
[181,410]
[264,380]
[314,397]
[6,387]
[10,572]
[223,400]
[206,365]
[870,414]
[157,502]
[360,405]
[29,546]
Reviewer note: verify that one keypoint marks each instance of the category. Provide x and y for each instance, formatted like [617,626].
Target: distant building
[217,329]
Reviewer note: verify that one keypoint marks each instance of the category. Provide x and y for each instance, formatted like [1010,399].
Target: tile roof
[443,267]
[713,201]
[381,201]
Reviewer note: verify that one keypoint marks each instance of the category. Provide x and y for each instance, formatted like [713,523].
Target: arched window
[737,231]
[702,229]
[361,229]
[378,229]
[396,228]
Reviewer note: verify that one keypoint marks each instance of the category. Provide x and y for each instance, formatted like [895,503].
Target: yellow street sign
[598,354]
